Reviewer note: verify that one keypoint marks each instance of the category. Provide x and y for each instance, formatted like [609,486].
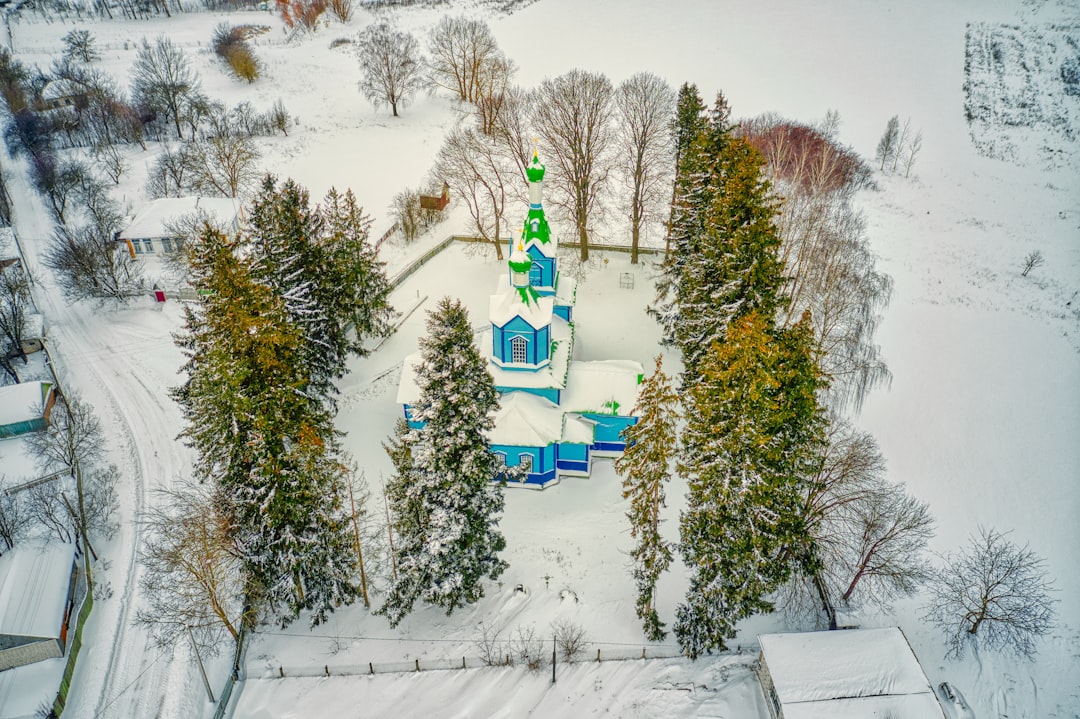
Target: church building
[555,413]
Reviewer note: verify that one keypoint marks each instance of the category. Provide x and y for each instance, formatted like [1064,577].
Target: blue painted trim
[572,465]
[608,446]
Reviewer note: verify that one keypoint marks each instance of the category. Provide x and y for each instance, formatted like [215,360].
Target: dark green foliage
[645,466]
[723,262]
[753,436]
[320,262]
[269,446]
[445,507]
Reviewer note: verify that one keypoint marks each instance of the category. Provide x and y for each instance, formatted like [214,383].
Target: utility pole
[202,670]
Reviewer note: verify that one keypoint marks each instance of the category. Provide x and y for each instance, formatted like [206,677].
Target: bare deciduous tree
[494,94]
[478,173]
[462,50]
[73,442]
[79,45]
[992,594]
[15,307]
[391,64]
[570,638]
[889,144]
[573,114]
[222,165]
[15,518]
[412,219]
[162,79]
[833,274]
[192,572]
[168,175]
[1034,259]
[91,265]
[867,536]
[646,104]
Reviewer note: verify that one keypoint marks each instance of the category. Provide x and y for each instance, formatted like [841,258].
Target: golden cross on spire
[536,146]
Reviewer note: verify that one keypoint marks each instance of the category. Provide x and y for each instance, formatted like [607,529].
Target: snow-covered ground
[981,420]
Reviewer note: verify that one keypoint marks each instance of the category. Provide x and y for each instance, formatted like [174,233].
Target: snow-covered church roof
[526,420]
[512,303]
[603,387]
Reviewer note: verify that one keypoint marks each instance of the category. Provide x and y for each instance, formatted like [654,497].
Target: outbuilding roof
[33,588]
[848,673]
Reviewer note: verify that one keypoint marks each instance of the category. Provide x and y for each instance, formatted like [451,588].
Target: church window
[518,346]
[526,462]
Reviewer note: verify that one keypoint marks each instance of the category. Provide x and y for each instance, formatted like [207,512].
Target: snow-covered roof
[34,580]
[34,329]
[578,430]
[553,376]
[152,219]
[526,420]
[848,673]
[19,463]
[594,386]
[509,304]
[566,291]
[547,249]
[22,402]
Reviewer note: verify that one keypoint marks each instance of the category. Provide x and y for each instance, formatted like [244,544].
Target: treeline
[271,528]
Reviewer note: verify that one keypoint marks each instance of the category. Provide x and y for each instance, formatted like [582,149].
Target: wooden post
[643,652]
[359,550]
[371,668]
[598,654]
[389,531]
[463,662]
[553,642]
[418,664]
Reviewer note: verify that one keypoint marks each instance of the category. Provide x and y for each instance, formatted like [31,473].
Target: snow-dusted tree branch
[478,173]
[391,64]
[645,105]
[992,594]
[573,114]
[192,573]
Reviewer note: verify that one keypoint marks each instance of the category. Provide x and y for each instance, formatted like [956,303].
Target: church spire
[536,225]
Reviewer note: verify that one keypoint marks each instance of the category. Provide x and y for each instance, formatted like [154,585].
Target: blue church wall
[538,342]
[564,312]
[608,431]
[413,424]
[542,273]
[549,393]
[543,460]
[572,458]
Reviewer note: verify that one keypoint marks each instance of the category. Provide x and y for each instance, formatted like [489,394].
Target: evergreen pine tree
[690,124]
[723,262]
[267,446]
[446,508]
[651,444]
[320,263]
[753,431]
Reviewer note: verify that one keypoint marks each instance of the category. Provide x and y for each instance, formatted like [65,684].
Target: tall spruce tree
[651,445]
[320,263]
[267,445]
[724,261]
[690,123]
[446,508]
[753,435]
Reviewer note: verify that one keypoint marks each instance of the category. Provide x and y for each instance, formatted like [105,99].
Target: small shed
[25,407]
[845,674]
[152,231]
[39,590]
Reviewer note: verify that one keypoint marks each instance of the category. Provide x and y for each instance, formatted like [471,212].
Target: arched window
[519,349]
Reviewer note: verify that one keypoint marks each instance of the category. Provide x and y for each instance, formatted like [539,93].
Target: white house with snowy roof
[555,413]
